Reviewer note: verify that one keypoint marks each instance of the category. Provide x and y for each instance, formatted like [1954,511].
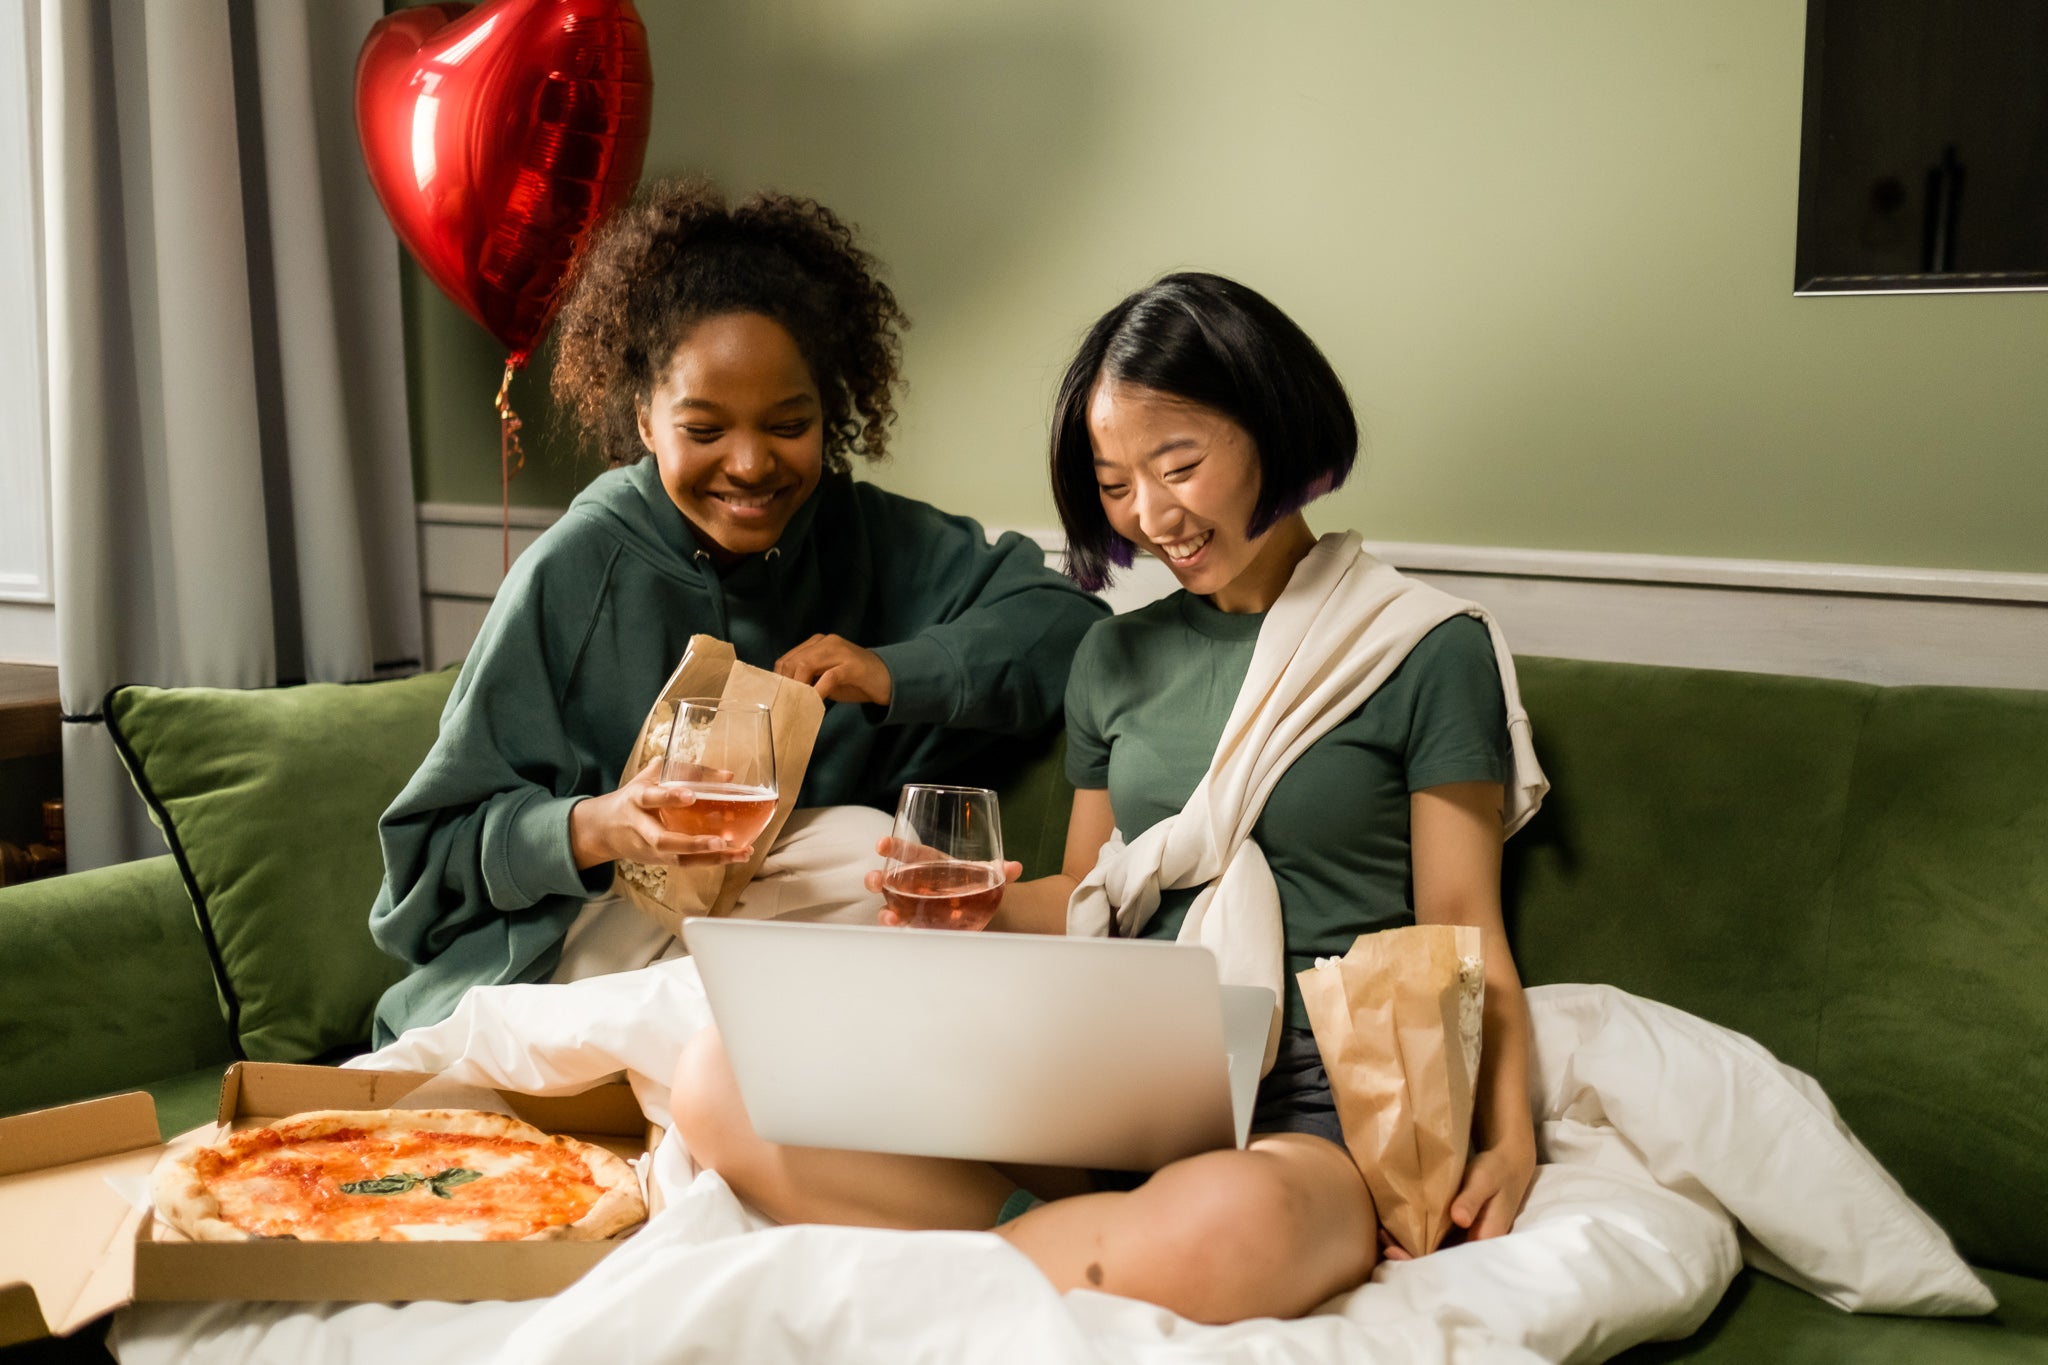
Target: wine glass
[723,754]
[945,864]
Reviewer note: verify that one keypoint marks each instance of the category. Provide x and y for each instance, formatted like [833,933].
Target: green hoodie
[479,885]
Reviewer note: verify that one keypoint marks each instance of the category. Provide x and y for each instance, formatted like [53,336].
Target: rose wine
[723,810]
[944,895]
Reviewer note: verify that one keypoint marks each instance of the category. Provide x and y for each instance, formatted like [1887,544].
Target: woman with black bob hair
[1298,747]
[1209,341]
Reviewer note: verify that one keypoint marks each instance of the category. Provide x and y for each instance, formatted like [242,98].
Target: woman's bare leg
[1267,1232]
[1270,1231]
[817,1184]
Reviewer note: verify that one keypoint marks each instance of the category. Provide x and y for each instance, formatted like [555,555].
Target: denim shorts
[1295,1095]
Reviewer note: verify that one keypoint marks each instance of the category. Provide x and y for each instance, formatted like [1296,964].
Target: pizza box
[75,1247]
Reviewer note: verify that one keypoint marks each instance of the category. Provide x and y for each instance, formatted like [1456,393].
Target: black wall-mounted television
[1924,147]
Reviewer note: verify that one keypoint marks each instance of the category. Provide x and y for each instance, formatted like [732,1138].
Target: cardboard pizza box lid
[61,1264]
[76,1249]
[260,1092]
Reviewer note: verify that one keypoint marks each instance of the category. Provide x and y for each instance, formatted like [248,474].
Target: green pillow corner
[269,800]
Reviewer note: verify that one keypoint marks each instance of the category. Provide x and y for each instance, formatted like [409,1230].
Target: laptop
[1101,1053]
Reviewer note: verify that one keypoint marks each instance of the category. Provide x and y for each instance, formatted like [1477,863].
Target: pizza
[397,1175]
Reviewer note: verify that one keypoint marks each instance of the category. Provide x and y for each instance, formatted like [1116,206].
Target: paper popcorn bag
[1397,1021]
[710,669]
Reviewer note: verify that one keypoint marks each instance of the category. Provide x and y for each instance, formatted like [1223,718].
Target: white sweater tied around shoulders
[1341,627]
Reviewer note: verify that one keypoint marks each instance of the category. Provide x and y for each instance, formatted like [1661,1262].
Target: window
[24,435]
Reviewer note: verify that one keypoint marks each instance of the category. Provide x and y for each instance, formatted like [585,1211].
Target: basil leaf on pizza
[450,1178]
[405,1181]
[383,1184]
[303,1177]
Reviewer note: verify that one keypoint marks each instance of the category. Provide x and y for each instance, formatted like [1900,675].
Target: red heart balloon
[497,137]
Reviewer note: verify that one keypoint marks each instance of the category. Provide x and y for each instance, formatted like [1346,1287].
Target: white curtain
[231,474]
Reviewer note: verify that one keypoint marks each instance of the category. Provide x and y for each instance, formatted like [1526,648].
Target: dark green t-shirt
[1147,701]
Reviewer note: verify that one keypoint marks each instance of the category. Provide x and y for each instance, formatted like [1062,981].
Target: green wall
[1548,246]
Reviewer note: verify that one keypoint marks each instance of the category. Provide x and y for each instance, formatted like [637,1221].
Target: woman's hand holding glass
[943,863]
[627,824]
[895,851]
[704,802]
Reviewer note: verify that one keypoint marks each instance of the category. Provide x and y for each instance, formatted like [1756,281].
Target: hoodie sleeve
[479,885]
[982,635]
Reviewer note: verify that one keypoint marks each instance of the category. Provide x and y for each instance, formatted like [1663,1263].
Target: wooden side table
[31,738]
[31,719]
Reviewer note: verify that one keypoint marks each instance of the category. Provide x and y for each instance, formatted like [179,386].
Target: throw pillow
[1712,1114]
[269,800]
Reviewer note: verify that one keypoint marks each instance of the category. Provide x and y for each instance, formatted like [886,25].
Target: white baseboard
[1865,623]
[488,514]
[1831,633]
[462,560]
[1875,624]
[452,626]
[1960,585]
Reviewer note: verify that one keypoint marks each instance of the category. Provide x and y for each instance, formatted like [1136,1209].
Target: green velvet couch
[1855,876]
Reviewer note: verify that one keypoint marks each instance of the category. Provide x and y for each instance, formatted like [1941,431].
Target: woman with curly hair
[728,362]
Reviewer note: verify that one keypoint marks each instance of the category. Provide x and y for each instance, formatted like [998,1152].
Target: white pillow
[1713,1114]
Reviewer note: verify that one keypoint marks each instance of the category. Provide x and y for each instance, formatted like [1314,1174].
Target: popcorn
[1399,1021]
[1471,1010]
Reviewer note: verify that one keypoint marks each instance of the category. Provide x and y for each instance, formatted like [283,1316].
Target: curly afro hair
[679,254]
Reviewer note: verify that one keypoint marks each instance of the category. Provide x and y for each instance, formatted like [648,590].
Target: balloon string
[511,458]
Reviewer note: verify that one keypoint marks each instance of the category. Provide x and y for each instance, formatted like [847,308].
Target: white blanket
[1658,1130]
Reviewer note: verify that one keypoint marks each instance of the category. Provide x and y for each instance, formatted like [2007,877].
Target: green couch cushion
[1763,1321]
[269,800]
[1687,850]
[1036,802]
[106,986]
[1936,1013]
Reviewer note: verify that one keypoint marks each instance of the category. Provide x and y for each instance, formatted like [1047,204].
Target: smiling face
[735,425]
[1180,481]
